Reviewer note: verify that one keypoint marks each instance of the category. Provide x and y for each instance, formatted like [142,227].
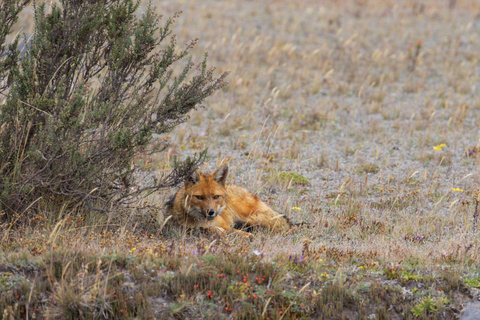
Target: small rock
[471,312]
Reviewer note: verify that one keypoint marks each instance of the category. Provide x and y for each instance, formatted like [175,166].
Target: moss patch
[285,178]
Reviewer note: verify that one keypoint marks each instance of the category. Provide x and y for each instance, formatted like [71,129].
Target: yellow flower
[296,208]
[133,249]
[361,267]
[439,147]
[457,189]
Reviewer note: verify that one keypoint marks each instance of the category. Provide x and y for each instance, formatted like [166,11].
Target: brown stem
[475,216]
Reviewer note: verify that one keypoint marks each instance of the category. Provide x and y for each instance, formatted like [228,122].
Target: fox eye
[216,197]
[199,197]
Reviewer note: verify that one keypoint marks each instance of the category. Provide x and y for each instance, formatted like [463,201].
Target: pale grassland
[327,91]
[352,95]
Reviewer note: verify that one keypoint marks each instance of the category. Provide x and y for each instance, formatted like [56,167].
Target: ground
[358,119]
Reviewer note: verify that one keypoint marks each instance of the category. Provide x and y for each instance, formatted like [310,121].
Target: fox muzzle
[211,214]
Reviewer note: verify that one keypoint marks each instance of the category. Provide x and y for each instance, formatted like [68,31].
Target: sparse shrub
[413,54]
[334,300]
[429,306]
[369,168]
[392,270]
[473,282]
[285,178]
[94,84]
[322,160]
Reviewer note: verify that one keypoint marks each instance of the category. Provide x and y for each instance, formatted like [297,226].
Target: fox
[206,201]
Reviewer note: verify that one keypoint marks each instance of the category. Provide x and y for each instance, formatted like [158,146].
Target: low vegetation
[217,279]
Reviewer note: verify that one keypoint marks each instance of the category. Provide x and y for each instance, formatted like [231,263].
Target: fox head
[205,194]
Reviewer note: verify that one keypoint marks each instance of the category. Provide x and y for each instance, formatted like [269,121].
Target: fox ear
[192,179]
[220,175]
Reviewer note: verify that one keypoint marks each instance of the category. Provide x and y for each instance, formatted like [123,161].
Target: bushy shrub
[84,96]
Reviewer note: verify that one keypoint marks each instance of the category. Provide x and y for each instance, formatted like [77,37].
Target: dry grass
[353,96]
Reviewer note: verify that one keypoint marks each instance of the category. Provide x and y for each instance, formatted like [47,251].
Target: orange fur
[205,201]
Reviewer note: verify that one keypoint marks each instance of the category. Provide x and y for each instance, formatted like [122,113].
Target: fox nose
[210,213]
